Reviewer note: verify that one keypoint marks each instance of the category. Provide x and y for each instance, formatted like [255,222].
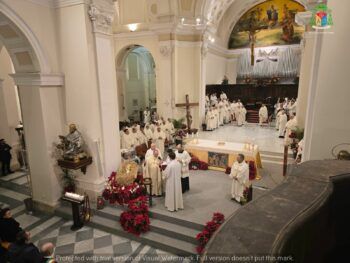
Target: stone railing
[304,219]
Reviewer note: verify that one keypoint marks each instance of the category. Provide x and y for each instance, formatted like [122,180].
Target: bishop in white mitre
[184,158]
[263,114]
[240,178]
[152,170]
[159,139]
[173,191]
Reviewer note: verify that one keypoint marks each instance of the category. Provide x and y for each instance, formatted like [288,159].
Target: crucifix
[188,106]
[253,24]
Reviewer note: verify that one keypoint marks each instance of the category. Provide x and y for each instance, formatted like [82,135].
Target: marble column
[43,117]
[102,13]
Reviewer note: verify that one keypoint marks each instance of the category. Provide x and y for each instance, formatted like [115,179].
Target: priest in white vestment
[241,115]
[127,140]
[152,170]
[223,96]
[221,112]
[148,132]
[184,158]
[240,175]
[278,115]
[282,121]
[263,114]
[159,138]
[146,116]
[291,125]
[173,191]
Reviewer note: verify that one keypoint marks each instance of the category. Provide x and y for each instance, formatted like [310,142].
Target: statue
[72,145]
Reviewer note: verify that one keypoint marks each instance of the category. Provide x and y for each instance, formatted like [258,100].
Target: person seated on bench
[9,228]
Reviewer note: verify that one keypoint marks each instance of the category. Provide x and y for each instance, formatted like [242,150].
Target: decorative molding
[66,3]
[166,50]
[37,79]
[102,13]
[135,35]
[45,3]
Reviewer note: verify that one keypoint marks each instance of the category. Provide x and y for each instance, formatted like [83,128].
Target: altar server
[291,125]
[240,175]
[127,139]
[184,158]
[172,175]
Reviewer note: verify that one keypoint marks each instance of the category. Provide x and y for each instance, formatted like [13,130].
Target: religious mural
[218,160]
[267,24]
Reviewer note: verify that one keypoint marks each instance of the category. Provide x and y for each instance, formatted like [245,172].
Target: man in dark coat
[9,227]
[5,157]
[22,251]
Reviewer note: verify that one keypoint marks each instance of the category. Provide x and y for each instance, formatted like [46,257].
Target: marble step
[169,219]
[151,238]
[159,226]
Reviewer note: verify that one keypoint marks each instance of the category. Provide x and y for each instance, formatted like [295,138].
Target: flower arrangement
[197,164]
[120,194]
[208,231]
[136,219]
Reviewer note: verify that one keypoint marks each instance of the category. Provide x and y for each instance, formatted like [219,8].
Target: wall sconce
[132,27]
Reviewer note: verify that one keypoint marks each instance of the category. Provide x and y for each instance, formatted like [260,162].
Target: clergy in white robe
[263,114]
[209,117]
[148,133]
[278,116]
[184,158]
[173,191]
[159,138]
[240,175]
[244,114]
[282,124]
[135,137]
[127,140]
[152,170]
[146,115]
[291,125]
[241,115]
[223,96]
[221,112]
[151,150]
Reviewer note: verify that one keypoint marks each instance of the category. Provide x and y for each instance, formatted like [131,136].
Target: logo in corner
[321,17]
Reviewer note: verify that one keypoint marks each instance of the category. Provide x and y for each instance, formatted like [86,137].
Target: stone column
[203,84]
[165,73]
[43,117]
[101,13]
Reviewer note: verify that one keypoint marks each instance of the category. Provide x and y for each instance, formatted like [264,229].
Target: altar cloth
[208,150]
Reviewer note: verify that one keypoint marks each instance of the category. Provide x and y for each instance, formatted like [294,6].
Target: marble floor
[265,137]
[85,245]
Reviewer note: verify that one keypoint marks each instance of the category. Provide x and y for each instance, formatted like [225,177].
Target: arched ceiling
[20,50]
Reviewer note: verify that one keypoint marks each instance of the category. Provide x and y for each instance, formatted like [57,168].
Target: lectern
[76,201]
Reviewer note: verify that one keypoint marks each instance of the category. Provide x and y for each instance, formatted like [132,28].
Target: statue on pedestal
[72,145]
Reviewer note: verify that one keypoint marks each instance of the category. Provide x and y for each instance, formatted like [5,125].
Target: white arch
[29,35]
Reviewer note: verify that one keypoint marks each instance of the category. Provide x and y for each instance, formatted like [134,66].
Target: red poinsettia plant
[197,164]
[136,219]
[209,229]
[115,193]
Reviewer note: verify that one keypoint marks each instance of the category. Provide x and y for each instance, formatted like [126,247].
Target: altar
[220,155]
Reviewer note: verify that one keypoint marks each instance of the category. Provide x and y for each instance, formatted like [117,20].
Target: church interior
[174,130]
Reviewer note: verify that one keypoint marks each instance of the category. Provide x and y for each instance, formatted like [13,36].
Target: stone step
[159,226]
[159,236]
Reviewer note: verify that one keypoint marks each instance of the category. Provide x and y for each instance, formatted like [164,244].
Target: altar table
[201,149]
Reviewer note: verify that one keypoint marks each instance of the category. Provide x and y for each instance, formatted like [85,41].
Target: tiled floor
[85,245]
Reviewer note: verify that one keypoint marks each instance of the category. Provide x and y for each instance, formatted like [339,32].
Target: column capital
[102,13]
[38,79]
